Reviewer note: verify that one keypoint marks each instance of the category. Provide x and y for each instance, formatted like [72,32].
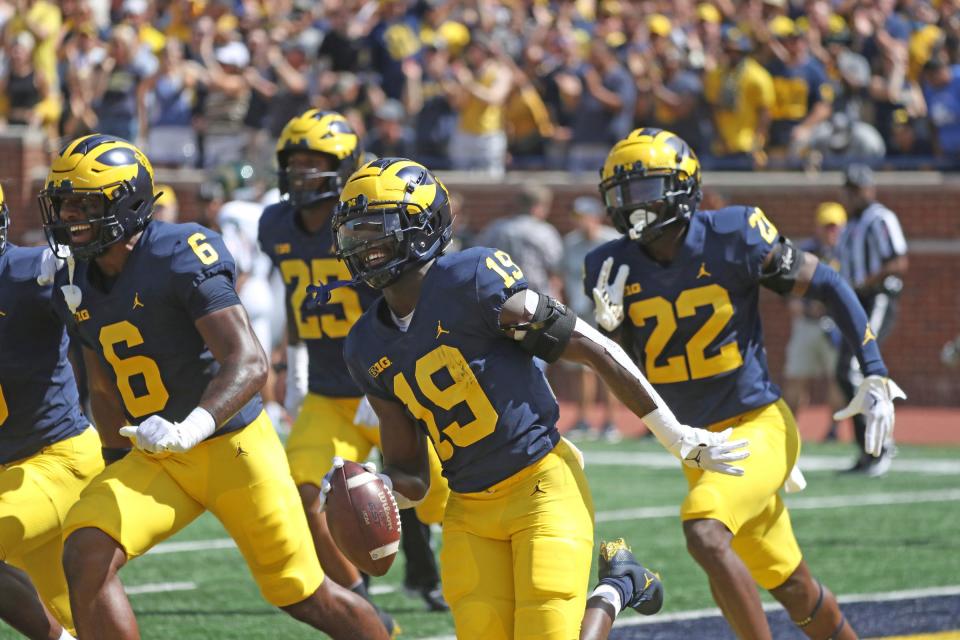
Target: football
[363,518]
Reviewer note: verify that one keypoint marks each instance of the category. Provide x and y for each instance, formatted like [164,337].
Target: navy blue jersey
[479,396]
[797,88]
[303,259]
[39,404]
[142,324]
[693,326]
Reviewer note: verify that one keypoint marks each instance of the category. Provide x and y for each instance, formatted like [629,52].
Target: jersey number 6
[465,388]
[156,396]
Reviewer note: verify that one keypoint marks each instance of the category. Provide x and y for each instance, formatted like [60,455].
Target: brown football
[363,518]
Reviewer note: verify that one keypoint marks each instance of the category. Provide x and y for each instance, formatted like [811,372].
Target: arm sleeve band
[549,330]
[781,274]
[828,287]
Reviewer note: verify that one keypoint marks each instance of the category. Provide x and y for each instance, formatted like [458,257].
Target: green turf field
[907,540]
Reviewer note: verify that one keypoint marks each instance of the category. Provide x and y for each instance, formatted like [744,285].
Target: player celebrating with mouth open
[691,300]
[448,352]
[169,348]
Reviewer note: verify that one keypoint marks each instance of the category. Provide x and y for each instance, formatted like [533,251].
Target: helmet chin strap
[319,294]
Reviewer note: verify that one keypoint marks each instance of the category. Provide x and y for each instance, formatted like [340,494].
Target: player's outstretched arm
[243,364]
[404,449]
[549,330]
[790,270]
[107,408]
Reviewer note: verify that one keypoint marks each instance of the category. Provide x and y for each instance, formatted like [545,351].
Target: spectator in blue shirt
[604,113]
[941,90]
[803,93]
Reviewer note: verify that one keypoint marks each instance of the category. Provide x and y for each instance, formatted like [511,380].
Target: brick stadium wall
[928,205]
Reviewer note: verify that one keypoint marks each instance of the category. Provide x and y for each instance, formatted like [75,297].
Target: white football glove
[298,377]
[608,297]
[697,448]
[156,434]
[365,415]
[874,399]
[702,449]
[49,265]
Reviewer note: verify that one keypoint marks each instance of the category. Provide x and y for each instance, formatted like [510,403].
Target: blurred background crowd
[492,85]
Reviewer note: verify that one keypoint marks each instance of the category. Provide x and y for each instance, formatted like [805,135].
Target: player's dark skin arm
[105,402]
[243,364]
[585,351]
[404,448]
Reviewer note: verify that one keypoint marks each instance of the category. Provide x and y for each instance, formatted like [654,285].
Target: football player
[684,302]
[316,153]
[170,354]
[450,351]
[48,450]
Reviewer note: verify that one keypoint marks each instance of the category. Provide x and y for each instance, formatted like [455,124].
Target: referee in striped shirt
[872,252]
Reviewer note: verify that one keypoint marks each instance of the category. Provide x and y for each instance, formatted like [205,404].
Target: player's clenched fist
[157,434]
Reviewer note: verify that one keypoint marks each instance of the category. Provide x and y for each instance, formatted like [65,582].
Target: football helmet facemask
[393,216]
[108,179]
[650,180]
[320,132]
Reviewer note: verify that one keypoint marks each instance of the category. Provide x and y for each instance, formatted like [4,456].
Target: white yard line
[160,587]
[885,596]
[802,503]
[934,466]
[193,545]
[696,614]
[671,511]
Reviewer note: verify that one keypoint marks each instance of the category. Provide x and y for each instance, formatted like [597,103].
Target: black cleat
[617,561]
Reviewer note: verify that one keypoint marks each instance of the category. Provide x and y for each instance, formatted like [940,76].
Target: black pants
[421,568]
[881,311]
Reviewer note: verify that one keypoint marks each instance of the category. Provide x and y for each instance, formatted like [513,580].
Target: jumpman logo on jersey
[703,273]
[868,336]
[240,451]
[537,490]
[136,301]
[440,330]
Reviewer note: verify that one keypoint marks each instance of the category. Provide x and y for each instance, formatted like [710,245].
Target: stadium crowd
[496,84]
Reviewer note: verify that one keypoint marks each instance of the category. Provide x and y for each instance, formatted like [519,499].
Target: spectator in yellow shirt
[741,93]
[42,20]
[526,118]
[480,142]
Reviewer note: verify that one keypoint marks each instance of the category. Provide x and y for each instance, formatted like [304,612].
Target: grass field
[906,538]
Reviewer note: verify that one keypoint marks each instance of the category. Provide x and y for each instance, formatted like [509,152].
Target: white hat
[135,7]
[234,54]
